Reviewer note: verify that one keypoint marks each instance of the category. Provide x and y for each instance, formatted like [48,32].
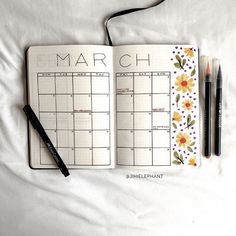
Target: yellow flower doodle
[184,83]
[189,52]
[187,104]
[183,140]
[192,161]
[176,117]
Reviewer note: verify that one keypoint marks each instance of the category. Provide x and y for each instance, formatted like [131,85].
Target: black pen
[37,125]
[218,115]
[207,114]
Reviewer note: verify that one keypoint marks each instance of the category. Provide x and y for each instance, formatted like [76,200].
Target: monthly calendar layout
[106,107]
[74,108]
[143,118]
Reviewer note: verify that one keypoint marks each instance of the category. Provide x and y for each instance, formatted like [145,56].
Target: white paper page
[157,105]
[71,91]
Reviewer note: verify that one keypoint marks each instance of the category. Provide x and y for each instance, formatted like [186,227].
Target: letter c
[121,60]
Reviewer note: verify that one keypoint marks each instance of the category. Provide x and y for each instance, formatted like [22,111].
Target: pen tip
[208,70]
[219,75]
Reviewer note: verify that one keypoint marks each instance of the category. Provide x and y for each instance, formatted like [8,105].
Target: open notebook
[102,106]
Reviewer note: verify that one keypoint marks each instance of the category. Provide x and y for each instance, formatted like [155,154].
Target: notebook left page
[70,89]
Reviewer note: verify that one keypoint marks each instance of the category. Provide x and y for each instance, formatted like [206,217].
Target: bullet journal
[104,106]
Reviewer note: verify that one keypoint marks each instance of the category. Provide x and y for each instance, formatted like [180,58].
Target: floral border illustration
[184,106]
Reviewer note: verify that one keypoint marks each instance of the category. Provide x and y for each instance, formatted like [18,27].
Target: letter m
[63,59]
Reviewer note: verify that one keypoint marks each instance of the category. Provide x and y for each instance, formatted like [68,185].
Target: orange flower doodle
[184,83]
[192,161]
[183,140]
[187,104]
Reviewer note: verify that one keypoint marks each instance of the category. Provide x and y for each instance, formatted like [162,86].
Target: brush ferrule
[208,78]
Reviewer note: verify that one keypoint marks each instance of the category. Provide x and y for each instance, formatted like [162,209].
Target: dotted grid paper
[74,109]
[143,118]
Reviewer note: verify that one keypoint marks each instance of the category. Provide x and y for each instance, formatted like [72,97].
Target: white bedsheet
[105,202]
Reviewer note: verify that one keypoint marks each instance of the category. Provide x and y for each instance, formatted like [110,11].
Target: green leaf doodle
[178,58]
[179,158]
[191,144]
[180,63]
[177,65]
[190,122]
[190,149]
[188,118]
[193,72]
[176,154]
[174,125]
[177,98]
[176,162]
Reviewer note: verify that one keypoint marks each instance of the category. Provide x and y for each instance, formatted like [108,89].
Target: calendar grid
[142,145]
[76,129]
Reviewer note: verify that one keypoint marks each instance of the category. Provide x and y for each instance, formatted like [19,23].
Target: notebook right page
[157,104]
